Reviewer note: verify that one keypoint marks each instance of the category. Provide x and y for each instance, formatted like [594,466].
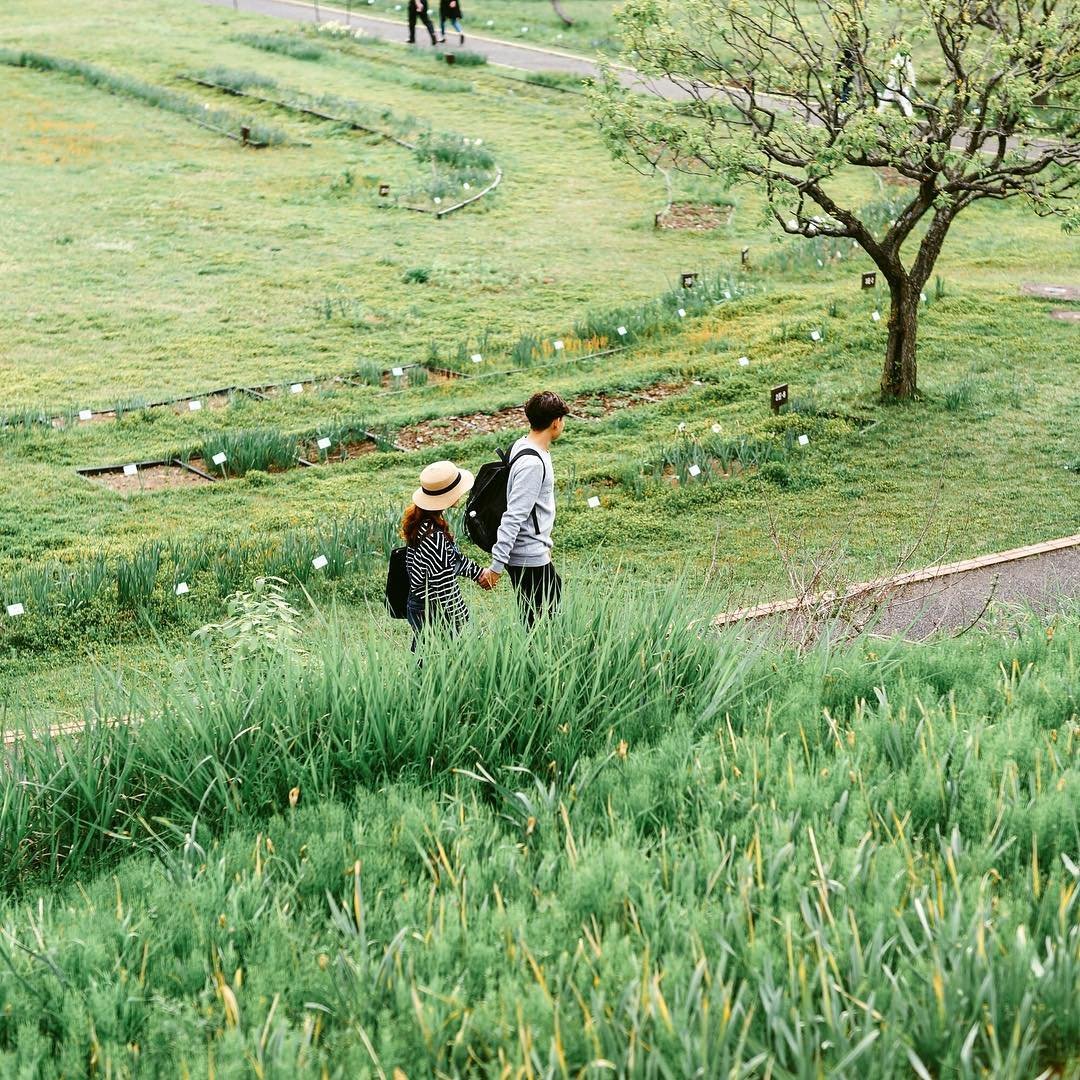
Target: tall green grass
[618,848]
[159,97]
[299,48]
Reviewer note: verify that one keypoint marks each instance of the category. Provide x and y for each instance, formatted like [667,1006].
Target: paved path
[508,54]
[500,53]
[940,599]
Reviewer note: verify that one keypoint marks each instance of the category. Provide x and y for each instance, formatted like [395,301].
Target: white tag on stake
[815,335]
[682,313]
[744,361]
[323,443]
[130,470]
[181,588]
[194,406]
[219,459]
[319,561]
[476,358]
[85,414]
[694,470]
[296,388]
[15,609]
[716,429]
[727,294]
[622,331]
[593,502]
[804,440]
[876,316]
[558,345]
[397,372]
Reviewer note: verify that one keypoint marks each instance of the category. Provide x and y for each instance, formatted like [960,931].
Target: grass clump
[263,448]
[465,57]
[240,79]
[298,48]
[695,858]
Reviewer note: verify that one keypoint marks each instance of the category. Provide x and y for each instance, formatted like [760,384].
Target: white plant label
[130,470]
[296,388]
[465,186]
[744,361]
[622,331]
[876,316]
[815,335]
[219,459]
[397,372]
[323,443]
[922,297]
[727,294]
[558,345]
[15,609]
[682,313]
[681,427]
[194,406]
[804,440]
[476,358]
[181,588]
[437,201]
[716,429]
[85,414]
[694,470]
[319,561]
[594,502]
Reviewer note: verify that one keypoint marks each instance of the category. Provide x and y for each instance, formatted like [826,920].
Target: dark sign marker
[689,280]
[450,58]
[384,189]
[869,280]
[777,397]
[245,134]
[745,255]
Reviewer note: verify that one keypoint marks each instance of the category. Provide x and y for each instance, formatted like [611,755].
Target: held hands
[488,579]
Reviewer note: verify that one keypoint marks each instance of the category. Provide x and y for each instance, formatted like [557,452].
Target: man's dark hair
[544,409]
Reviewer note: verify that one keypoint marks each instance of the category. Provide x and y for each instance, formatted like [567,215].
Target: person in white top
[900,86]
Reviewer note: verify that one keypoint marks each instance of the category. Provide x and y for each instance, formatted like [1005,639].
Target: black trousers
[424,17]
[539,590]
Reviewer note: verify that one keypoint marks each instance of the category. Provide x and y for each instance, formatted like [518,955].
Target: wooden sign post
[778,395]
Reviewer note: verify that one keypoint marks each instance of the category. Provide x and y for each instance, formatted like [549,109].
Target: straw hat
[442,483]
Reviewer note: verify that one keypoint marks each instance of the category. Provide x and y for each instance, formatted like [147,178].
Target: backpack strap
[525,452]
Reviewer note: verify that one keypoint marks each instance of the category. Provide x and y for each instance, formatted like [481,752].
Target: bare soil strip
[456,428]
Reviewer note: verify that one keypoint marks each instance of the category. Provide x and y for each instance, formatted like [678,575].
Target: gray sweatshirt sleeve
[526,480]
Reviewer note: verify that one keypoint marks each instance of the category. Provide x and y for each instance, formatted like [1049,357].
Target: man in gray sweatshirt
[523,545]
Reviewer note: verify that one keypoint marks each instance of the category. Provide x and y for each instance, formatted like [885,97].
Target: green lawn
[720,855]
[150,258]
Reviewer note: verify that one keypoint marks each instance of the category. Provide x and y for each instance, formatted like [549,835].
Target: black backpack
[397,585]
[487,503]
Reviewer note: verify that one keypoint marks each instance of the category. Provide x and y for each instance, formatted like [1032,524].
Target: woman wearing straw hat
[433,559]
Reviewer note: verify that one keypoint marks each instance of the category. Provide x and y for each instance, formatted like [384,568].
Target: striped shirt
[434,564]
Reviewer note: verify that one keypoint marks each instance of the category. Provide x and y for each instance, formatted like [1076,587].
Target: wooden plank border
[929,573]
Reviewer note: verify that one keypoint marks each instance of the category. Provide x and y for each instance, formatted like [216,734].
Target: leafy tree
[967,99]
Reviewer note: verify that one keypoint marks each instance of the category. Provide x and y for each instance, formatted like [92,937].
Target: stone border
[929,573]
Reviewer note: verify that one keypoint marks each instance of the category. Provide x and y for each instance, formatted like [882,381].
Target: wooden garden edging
[929,573]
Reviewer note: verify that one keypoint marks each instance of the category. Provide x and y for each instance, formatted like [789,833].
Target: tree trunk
[898,377]
[566,20]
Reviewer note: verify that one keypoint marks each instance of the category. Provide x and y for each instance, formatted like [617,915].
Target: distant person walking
[418,9]
[523,545]
[450,12]
[432,558]
[901,82]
